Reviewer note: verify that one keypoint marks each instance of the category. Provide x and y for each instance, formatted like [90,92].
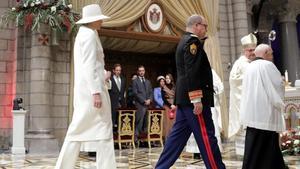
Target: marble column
[39,138]
[289,42]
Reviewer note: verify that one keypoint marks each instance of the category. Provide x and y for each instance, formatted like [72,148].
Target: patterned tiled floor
[142,158]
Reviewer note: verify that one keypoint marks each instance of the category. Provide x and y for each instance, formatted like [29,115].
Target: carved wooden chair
[154,127]
[126,127]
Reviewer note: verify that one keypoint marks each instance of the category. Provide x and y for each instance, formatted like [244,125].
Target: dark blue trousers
[203,129]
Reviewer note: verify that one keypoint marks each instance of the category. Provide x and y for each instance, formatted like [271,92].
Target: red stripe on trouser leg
[206,142]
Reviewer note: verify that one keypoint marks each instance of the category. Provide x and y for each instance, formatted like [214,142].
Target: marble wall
[233,26]
[43,73]
[32,68]
[7,78]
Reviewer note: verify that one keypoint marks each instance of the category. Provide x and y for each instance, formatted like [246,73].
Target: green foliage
[58,14]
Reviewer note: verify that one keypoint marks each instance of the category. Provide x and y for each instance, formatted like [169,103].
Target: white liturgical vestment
[262,97]
[235,81]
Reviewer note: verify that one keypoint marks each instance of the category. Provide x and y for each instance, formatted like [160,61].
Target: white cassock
[263,93]
[235,81]
[191,145]
[89,124]
[261,113]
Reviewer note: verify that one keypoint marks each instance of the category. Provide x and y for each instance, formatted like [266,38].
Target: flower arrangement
[31,13]
[290,142]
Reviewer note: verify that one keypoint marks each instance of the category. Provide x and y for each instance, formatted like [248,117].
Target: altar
[292,107]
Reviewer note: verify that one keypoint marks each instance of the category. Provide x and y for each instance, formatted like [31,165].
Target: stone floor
[141,158]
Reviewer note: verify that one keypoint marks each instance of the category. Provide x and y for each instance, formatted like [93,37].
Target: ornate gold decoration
[155,127]
[126,127]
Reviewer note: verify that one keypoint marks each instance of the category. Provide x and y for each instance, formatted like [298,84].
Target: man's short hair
[140,66]
[117,65]
[195,18]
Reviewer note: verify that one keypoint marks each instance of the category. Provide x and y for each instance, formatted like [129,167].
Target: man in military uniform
[194,98]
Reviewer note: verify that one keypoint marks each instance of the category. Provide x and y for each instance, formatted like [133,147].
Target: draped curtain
[121,12]
[125,12]
[212,48]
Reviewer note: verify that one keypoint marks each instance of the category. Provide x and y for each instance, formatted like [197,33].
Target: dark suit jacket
[139,91]
[193,71]
[116,95]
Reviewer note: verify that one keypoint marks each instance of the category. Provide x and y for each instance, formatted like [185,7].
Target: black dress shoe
[197,156]
[92,154]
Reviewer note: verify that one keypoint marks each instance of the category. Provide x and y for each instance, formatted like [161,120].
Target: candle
[286,76]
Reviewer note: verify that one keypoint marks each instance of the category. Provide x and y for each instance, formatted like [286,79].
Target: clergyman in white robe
[262,112]
[235,82]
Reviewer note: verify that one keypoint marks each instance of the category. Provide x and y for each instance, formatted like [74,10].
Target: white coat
[235,81]
[89,123]
[216,110]
[263,93]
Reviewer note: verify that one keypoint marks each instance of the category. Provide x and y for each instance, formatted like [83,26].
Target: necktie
[118,80]
[143,80]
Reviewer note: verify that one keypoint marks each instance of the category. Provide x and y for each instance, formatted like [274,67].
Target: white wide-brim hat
[91,13]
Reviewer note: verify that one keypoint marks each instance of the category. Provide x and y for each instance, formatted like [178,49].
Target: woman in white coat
[92,113]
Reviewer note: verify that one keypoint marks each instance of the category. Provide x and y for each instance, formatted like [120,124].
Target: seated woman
[168,95]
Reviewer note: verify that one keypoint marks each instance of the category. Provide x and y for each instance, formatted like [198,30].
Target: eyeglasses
[205,25]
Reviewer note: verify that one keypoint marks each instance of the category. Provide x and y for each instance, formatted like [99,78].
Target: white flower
[38,2]
[25,5]
[13,8]
[32,4]
[288,142]
[296,142]
[70,6]
[53,9]
[283,144]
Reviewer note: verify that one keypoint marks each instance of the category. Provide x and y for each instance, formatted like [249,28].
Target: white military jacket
[235,81]
[262,97]
[89,123]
